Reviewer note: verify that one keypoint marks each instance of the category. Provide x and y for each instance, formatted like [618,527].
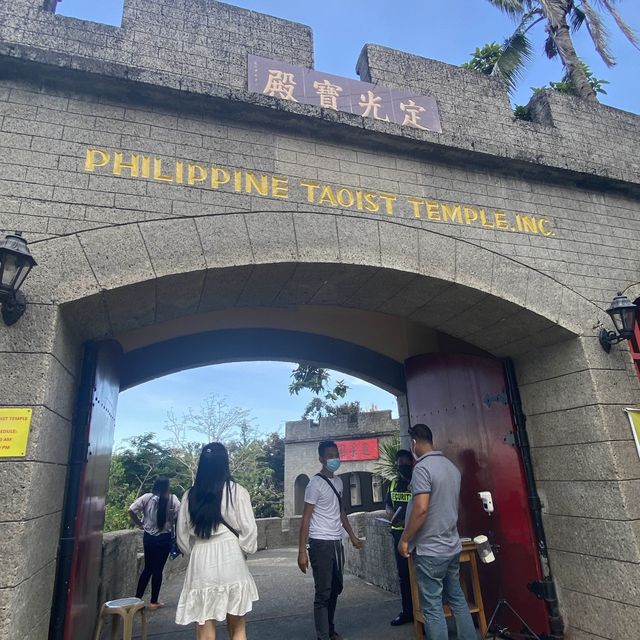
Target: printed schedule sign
[634,419]
[14,431]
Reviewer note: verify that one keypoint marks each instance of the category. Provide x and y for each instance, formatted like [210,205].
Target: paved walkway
[285,608]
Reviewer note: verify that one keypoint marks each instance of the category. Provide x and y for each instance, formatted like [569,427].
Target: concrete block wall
[106,242]
[586,467]
[174,42]
[303,436]
[46,192]
[476,114]
[38,370]
[339,427]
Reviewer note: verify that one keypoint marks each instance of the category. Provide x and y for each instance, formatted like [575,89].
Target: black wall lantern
[623,313]
[15,263]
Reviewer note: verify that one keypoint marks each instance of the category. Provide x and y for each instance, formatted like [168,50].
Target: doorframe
[78,458]
[546,588]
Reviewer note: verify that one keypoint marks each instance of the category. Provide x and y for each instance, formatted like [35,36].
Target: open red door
[80,557]
[464,401]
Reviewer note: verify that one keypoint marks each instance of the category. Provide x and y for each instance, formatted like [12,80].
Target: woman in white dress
[216,528]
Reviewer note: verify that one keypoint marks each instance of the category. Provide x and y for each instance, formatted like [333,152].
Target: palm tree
[386,466]
[561,17]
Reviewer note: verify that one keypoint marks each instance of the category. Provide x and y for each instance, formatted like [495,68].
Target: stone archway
[336,276]
[298,492]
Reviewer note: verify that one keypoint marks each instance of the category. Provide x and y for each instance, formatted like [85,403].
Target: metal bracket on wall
[510,439]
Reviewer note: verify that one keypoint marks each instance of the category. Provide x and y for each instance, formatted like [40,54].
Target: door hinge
[510,439]
[543,589]
[498,398]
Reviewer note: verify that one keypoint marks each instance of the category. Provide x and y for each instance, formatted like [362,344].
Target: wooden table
[468,565]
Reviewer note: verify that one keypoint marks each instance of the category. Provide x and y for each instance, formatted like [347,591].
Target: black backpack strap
[332,488]
[226,524]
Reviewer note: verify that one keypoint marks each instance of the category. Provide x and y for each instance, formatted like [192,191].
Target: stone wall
[303,436]
[123,556]
[564,132]
[122,256]
[375,563]
[544,168]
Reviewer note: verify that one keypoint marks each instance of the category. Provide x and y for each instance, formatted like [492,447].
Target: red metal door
[93,444]
[464,401]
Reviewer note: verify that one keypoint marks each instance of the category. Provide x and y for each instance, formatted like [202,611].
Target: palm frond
[629,33]
[598,32]
[513,8]
[577,18]
[550,47]
[516,53]
[386,465]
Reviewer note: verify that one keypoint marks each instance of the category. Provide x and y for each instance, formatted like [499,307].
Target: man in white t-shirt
[323,522]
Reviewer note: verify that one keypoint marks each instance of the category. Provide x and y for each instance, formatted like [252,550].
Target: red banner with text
[366,449]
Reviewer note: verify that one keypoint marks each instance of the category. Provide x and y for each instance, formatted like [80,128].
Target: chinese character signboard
[634,419]
[307,86]
[14,431]
[358,449]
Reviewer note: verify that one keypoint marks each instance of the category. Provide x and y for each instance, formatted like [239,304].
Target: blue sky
[446,30]
[261,387]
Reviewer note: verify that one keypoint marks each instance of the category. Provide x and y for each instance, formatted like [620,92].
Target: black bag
[174,552]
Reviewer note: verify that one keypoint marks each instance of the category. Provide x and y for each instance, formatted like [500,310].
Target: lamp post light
[15,263]
[623,313]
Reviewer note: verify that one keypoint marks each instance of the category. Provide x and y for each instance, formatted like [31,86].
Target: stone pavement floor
[285,608]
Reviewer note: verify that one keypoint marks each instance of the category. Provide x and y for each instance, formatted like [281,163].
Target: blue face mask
[333,464]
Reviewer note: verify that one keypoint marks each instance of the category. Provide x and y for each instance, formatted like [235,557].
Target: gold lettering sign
[265,185]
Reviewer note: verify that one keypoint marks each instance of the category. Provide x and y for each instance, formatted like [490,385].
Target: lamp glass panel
[616,316]
[629,320]
[22,274]
[11,266]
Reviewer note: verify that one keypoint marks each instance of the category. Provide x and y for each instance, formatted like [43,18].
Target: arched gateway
[179,220]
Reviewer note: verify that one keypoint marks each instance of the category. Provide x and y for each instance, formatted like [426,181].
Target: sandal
[156,605]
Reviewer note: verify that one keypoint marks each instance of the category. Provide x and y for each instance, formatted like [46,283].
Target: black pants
[156,552]
[327,561]
[403,575]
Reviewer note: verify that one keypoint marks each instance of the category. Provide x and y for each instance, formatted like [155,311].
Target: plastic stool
[126,608]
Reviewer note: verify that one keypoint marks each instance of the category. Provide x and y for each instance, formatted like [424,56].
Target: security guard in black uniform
[396,502]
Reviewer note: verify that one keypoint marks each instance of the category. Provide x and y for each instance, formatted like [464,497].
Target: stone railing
[375,563]
[122,554]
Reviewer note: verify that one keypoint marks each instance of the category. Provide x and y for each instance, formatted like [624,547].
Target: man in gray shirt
[431,532]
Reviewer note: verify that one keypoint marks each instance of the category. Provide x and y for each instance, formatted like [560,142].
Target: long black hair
[205,497]
[161,489]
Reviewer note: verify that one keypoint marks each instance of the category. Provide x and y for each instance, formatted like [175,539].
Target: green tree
[560,18]
[318,381]
[119,496]
[132,472]
[273,457]
[505,61]
[258,465]
[214,421]
[565,86]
